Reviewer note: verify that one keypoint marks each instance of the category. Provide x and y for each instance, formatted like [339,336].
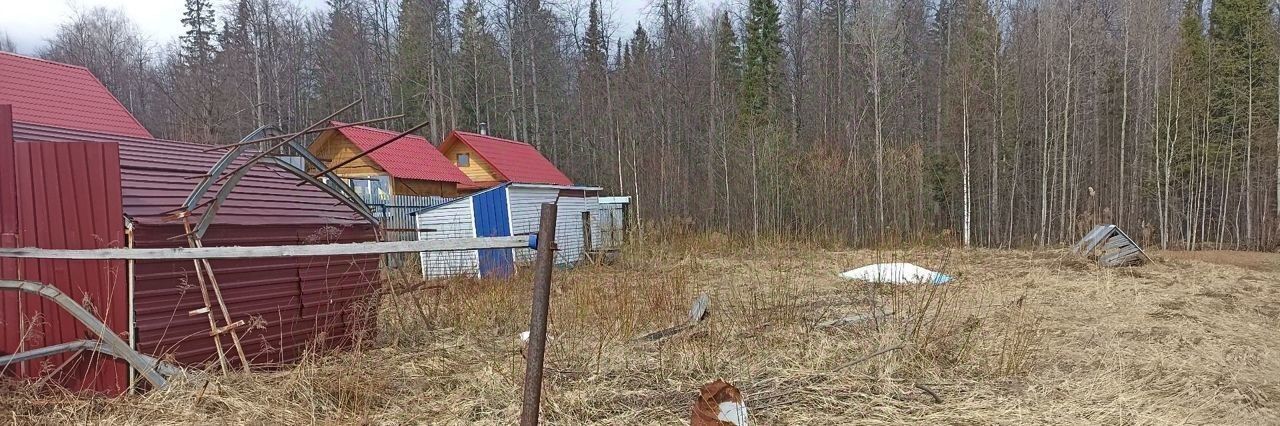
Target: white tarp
[896,273]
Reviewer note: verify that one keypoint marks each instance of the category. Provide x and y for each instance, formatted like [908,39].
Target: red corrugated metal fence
[68,197]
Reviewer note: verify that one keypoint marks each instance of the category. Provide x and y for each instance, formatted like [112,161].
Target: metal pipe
[370,150]
[268,151]
[105,334]
[538,318]
[290,135]
[348,199]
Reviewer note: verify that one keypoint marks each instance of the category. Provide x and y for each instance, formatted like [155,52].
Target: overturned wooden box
[1111,247]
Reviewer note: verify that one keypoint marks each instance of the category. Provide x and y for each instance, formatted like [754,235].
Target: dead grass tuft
[1019,337]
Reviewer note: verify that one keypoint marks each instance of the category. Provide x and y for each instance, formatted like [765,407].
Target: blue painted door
[493,220]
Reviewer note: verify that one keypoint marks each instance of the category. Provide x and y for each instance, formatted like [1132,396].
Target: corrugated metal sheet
[569,228]
[520,206]
[10,336]
[295,299]
[68,197]
[526,207]
[451,220]
[57,94]
[526,201]
[490,211]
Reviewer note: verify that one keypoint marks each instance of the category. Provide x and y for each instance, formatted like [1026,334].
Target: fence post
[587,245]
[538,318]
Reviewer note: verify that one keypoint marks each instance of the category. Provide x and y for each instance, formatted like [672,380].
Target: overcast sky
[29,23]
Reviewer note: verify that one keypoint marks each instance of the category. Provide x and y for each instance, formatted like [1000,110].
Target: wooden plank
[1116,242]
[226,328]
[272,251]
[1120,257]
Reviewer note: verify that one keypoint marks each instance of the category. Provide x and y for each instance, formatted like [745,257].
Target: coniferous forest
[998,123]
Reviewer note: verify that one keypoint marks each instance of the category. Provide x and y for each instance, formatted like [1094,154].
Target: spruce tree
[594,44]
[1243,63]
[728,55]
[197,42]
[481,65]
[418,36]
[762,71]
[195,77]
[639,48]
[1243,94]
[341,77]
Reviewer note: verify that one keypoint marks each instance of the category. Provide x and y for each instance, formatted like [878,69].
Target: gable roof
[55,94]
[410,157]
[516,161]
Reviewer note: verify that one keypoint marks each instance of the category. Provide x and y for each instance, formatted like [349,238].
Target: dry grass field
[1018,338]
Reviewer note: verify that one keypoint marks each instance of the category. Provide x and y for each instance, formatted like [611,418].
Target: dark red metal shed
[77,171]
[293,301]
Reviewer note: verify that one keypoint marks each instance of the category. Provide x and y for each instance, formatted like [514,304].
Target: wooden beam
[587,244]
[270,251]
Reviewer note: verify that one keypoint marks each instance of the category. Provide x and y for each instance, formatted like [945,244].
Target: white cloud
[30,23]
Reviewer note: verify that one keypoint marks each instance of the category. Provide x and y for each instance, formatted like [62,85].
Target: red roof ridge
[494,138]
[33,58]
[336,123]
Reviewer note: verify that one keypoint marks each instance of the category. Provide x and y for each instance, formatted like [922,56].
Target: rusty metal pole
[545,262]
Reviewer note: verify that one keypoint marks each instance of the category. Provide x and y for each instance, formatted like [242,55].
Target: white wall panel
[454,220]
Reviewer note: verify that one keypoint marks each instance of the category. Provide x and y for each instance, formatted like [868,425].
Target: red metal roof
[516,161]
[410,157]
[157,175]
[56,94]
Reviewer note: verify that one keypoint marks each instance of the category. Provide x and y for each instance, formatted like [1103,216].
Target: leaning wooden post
[588,246]
[538,319]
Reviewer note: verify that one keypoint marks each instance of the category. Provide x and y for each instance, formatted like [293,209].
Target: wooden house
[489,161]
[408,166]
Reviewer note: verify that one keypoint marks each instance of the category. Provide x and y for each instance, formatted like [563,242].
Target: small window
[464,160]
